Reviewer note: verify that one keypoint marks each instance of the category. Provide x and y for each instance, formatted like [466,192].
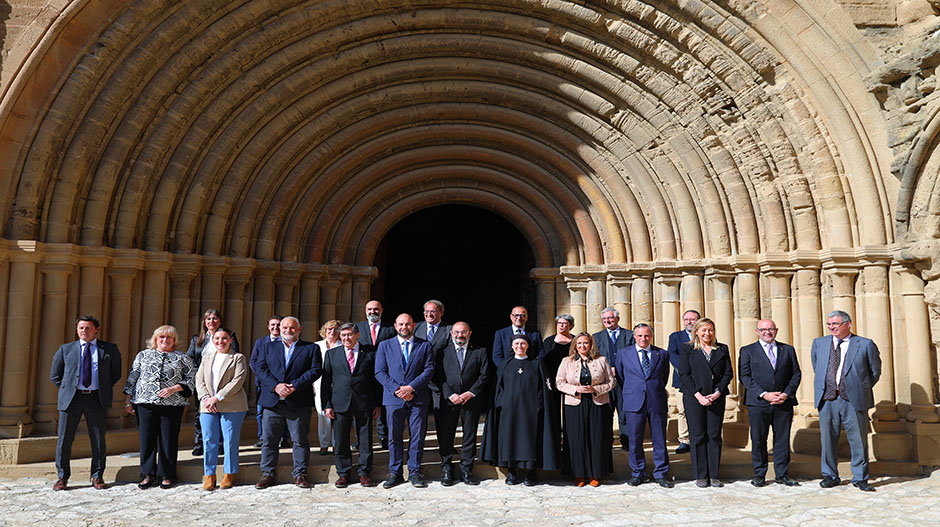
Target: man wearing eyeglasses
[846,367]
[501,347]
[771,374]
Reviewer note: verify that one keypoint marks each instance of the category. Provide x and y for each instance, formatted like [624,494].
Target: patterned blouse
[154,370]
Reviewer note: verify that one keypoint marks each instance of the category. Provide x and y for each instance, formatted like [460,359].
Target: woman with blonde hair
[220,385]
[158,389]
[704,375]
[329,333]
[586,379]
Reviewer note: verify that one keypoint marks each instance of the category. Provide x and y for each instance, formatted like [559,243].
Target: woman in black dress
[705,373]
[585,378]
[556,348]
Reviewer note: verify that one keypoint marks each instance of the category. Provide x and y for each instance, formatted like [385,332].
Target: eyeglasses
[767,330]
[520,315]
[835,324]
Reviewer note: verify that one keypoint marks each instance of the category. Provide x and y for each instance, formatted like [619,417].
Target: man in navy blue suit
[286,370]
[501,347]
[676,341]
[642,372]
[609,340]
[846,367]
[274,334]
[404,366]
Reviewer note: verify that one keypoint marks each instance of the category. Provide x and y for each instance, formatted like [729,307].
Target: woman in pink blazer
[585,377]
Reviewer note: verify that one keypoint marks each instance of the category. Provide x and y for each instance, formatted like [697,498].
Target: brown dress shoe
[301,481]
[98,483]
[228,481]
[61,484]
[342,482]
[365,481]
[266,481]
[208,482]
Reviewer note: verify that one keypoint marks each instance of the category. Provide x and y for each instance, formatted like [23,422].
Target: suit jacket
[343,390]
[502,349]
[696,374]
[441,336]
[637,388]
[304,367]
[365,335]
[676,340]
[568,379]
[861,369]
[450,379]
[758,375]
[66,371]
[231,382]
[624,339]
[391,372]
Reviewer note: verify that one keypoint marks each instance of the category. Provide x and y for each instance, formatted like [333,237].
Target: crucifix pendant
[520,371]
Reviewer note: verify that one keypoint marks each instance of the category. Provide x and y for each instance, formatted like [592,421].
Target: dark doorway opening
[472,260]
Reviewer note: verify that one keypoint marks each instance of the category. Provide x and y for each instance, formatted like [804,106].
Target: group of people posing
[549,403]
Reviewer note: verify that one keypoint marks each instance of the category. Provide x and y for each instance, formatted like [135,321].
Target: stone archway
[725,156]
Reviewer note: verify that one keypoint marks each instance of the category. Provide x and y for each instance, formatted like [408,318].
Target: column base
[15,422]
[886,411]
[923,413]
[926,443]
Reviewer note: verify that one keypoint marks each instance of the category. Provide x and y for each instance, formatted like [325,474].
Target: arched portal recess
[474,261]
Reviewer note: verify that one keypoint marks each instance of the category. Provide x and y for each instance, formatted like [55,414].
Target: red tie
[373,333]
[351,359]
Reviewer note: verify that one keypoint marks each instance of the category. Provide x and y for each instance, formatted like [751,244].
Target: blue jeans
[224,426]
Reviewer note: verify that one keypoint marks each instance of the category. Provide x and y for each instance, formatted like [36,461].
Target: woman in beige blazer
[220,385]
[585,378]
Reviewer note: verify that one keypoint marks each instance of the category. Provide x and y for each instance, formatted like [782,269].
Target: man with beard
[371,332]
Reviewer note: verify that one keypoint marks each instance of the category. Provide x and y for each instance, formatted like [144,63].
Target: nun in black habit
[519,434]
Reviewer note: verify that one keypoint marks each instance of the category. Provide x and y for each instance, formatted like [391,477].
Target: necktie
[613,340]
[460,356]
[645,362]
[518,331]
[373,333]
[351,359]
[86,365]
[430,332]
[404,351]
[772,356]
[829,392]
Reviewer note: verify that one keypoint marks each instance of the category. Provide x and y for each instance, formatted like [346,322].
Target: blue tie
[645,363]
[430,333]
[404,352]
[613,341]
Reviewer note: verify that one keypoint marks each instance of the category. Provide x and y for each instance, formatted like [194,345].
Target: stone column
[310,296]
[263,297]
[125,268]
[182,275]
[57,329]
[843,290]
[284,286]
[154,302]
[236,288]
[620,292]
[779,281]
[876,309]
[329,292]
[212,276]
[917,327]
[643,299]
[747,310]
[93,261]
[669,307]
[810,317]
[343,299]
[15,419]
[691,294]
[721,283]
[544,278]
[577,291]
[596,301]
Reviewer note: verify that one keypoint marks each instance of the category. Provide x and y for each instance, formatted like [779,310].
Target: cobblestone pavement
[897,502]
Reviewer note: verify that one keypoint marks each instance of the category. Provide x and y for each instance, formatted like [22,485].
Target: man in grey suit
[846,367]
[609,340]
[85,372]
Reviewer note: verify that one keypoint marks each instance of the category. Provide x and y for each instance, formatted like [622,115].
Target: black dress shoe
[511,479]
[468,479]
[197,450]
[863,486]
[531,479]
[285,443]
[418,481]
[758,481]
[354,447]
[259,444]
[383,444]
[146,483]
[166,484]
[447,477]
[701,483]
[624,443]
[683,448]
[392,481]
[829,481]
[787,480]
[664,483]
[635,481]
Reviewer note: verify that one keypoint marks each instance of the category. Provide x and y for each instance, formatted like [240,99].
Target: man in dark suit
[642,373]
[501,340]
[460,376]
[372,332]
[846,367]
[432,330]
[676,340]
[350,394]
[286,370]
[404,366]
[770,374]
[85,372]
[274,335]
[609,340]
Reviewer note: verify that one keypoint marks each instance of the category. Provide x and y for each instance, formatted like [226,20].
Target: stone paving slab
[897,502]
